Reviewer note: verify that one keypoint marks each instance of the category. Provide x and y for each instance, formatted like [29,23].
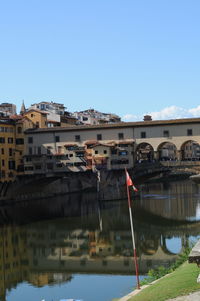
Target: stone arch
[167,151]
[144,152]
[190,150]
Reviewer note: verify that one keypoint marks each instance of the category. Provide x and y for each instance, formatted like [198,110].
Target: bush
[161,271]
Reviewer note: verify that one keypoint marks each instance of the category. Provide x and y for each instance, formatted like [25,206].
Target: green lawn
[181,282]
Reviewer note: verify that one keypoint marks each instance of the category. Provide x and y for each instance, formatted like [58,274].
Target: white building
[54,110]
[7,109]
[93,117]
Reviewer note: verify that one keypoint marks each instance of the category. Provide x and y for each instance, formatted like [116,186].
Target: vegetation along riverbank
[181,280]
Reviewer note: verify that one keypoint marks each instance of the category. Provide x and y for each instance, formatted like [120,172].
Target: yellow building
[7,150]
[12,142]
[38,118]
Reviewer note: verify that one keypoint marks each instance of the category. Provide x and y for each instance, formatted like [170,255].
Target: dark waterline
[82,249]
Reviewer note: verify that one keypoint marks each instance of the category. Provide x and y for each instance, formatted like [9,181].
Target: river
[75,247]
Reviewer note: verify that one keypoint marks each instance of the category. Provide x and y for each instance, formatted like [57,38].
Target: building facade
[110,146]
[93,117]
[8,109]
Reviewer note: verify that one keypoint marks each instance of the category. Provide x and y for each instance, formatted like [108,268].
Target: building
[7,150]
[78,148]
[93,117]
[111,146]
[7,109]
[55,112]
[37,117]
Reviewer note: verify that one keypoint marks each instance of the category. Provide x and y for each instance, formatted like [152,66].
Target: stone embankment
[112,183]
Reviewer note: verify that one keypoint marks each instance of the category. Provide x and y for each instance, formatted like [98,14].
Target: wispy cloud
[172,112]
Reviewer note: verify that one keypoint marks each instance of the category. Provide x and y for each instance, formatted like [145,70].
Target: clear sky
[127,57]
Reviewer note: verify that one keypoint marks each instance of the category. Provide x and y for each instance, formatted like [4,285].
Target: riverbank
[181,282]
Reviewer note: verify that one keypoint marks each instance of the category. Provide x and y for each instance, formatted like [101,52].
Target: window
[19,141]
[189,132]
[39,150]
[11,165]
[96,152]
[59,149]
[10,152]
[30,151]
[114,152]
[77,138]
[57,138]
[3,162]
[28,159]
[105,151]
[30,140]
[38,167]
[2,140]
[99,137]
[165,133]
[2,151]
[19,130]
[10,140]
[123,153]
[121,136]
[37,124]
[49,165]
[49,150]
[79,154]
[143,135]
[32,115]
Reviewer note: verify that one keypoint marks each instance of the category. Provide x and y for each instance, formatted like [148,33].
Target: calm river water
[75,247]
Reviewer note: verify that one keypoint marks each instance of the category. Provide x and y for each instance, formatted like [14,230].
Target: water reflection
[178,200]
[52,251]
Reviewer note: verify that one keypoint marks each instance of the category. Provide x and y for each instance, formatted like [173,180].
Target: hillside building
[93,117]
[7,109]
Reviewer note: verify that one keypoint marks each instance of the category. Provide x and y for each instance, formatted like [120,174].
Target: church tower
[23,109]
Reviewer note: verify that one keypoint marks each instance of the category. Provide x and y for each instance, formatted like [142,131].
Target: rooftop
[118,125]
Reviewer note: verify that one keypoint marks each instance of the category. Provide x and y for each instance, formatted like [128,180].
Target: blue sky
[127,57]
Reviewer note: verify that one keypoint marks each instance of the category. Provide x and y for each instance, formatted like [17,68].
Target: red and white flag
[129,182]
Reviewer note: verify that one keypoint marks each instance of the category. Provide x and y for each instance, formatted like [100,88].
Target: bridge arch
[149,246]
[144,152]
[167,151]
[190,150]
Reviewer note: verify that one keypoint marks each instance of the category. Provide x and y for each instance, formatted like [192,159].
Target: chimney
[147,118]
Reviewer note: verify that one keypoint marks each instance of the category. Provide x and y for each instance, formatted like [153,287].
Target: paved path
[191,297]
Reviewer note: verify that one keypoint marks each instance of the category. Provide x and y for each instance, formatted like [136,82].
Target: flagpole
[133,238]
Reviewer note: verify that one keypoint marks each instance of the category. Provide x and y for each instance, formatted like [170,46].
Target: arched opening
[149,246]
[172,245]
[167,151]
[190,151]
[144,152]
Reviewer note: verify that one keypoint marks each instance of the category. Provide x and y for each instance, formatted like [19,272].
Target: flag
[129,182]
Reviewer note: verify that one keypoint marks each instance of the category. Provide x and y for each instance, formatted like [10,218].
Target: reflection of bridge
[40,252]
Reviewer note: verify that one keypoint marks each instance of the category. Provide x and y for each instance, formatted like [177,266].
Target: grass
[180,282]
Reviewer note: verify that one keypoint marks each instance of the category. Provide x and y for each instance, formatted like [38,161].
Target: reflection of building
[176,202]
[49,252]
